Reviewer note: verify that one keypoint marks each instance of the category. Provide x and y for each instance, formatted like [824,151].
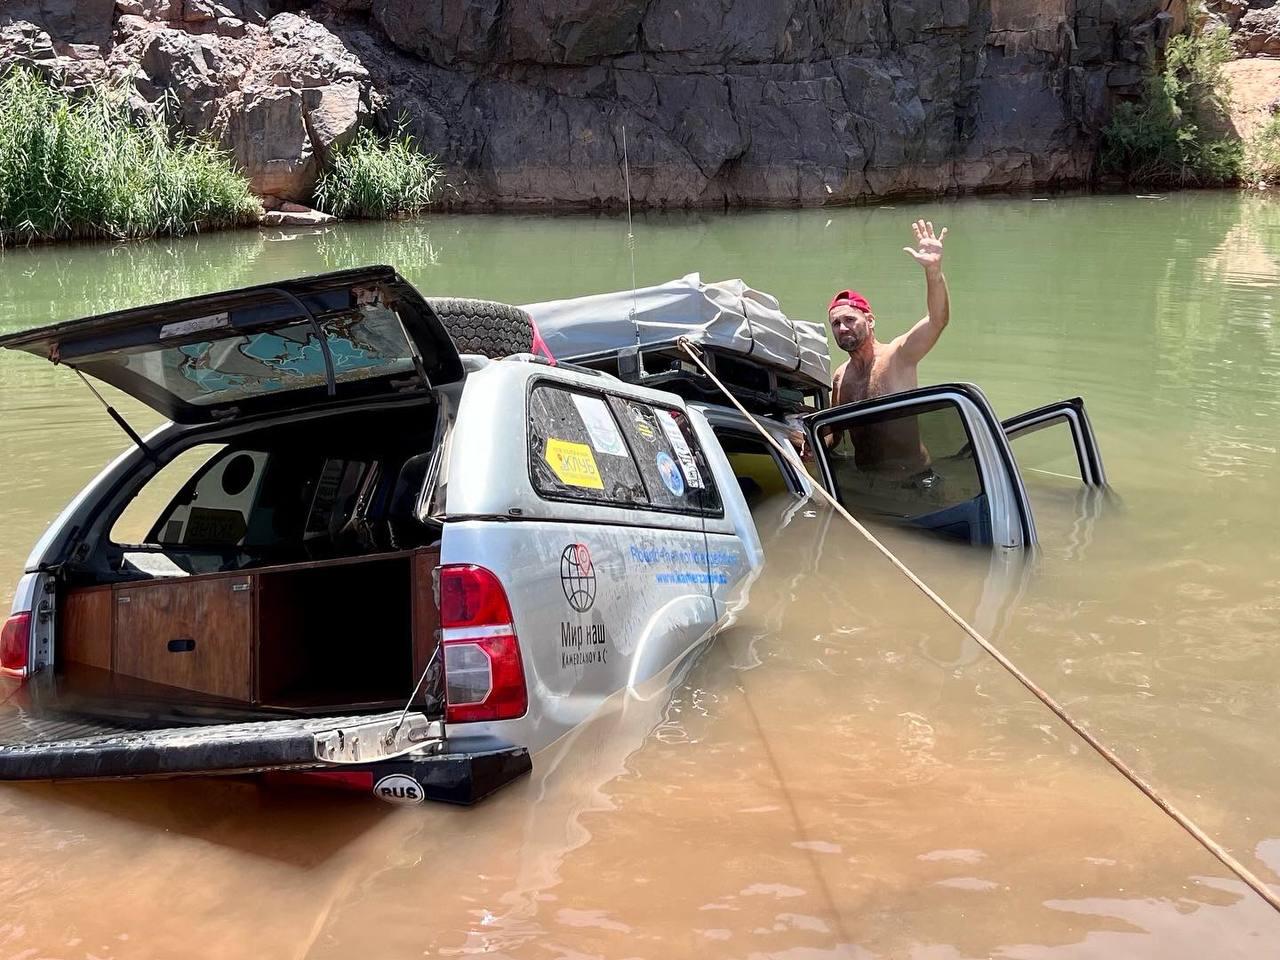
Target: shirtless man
[875,369]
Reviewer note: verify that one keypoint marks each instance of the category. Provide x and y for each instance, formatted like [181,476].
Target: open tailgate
[296,743]
[345,335]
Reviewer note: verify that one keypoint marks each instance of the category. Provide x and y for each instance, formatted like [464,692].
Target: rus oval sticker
[398,788]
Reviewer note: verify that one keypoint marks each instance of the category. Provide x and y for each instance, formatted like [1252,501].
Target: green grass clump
[1262,155]
[1166,138]
[80,168]
[378,179]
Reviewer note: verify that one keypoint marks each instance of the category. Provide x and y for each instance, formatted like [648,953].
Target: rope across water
[1184,821]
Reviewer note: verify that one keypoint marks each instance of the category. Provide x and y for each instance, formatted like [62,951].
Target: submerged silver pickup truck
[355,552]
[345,520]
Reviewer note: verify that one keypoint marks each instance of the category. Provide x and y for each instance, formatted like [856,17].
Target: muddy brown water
[842,774]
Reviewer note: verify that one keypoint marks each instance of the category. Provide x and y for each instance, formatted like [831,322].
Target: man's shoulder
[893,352]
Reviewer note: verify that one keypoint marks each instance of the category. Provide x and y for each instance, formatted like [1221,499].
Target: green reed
[78,167]
[374,178]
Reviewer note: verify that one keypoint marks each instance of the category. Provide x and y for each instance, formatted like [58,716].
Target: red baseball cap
[850,298]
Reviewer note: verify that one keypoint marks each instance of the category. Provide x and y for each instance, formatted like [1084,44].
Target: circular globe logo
[578,577]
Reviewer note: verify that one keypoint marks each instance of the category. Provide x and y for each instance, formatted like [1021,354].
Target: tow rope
[1184,821]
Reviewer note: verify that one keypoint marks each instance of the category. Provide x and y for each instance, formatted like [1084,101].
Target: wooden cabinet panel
[84,627]
[194,634]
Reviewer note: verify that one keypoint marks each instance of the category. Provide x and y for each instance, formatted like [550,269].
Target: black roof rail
[760,388]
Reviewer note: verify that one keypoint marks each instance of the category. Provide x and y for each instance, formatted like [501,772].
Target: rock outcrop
[69,21]
[277,90]
[722,102]
[1258,31]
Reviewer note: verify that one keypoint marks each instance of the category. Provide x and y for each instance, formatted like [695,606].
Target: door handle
[182,645]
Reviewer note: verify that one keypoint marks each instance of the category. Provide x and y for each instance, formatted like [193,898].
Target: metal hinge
[378,739]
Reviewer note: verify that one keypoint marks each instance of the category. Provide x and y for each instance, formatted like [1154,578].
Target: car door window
[1057,440]
[916,465]
[1047,454]
[675,470]
[760,475]
[934,459]
[576,451]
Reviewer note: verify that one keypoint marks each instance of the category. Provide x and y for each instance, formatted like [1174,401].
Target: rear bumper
[468,771]
[459,770]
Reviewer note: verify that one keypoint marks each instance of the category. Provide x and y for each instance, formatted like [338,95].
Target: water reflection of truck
[366,555]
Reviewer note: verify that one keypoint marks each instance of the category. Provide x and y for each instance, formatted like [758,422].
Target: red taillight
[15,642]
[484,675]
[472,596]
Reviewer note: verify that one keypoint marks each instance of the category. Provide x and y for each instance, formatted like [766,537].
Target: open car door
[1083,443]
[935,458]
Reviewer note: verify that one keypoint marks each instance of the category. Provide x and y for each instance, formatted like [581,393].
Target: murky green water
[843,775]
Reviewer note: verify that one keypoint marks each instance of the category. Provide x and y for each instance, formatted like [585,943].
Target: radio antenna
[631,237]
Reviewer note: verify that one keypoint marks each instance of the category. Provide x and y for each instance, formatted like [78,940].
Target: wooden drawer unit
[84,627]
[194,634]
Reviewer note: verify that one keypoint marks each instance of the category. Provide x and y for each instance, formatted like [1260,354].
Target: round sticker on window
[643,427]
[672,478]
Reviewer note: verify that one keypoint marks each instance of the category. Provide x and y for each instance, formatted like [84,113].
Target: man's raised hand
[928,249]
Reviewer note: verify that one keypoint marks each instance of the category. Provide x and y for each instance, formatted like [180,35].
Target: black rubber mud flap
[491,329]
[309,742]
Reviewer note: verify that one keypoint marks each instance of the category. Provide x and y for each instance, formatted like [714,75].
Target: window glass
[303,491]
[1049,451]
[214,496]
[577,451]
[755,466]
[139,516]
[674,469]
[366,342]
[1050,468]
[914,464]
[215,508]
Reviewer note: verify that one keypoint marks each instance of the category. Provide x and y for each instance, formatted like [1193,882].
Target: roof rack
[761,389]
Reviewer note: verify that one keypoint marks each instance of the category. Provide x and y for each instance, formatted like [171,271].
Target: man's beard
[852,340]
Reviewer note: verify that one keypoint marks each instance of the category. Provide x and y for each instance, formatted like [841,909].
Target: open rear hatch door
[36,749]
[338,336]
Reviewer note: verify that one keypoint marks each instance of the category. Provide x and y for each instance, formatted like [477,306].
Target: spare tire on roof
[488,328]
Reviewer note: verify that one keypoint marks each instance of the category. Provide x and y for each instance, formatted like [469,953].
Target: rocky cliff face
[722,101]
[759,101]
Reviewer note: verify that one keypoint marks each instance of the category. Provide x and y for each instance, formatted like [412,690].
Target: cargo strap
[1152,794]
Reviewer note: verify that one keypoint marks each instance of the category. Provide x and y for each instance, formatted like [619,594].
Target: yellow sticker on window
[573,463]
